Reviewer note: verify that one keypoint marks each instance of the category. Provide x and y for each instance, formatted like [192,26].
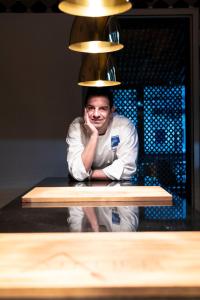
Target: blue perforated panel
[159,116]
[164,120]
[125,102]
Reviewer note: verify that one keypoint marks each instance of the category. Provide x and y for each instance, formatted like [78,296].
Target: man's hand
[91,129]
[98,175]
[90,148]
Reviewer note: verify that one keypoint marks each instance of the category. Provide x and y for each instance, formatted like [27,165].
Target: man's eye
[90,108]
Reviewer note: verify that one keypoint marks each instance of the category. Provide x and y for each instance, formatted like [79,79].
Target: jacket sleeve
[75,148]
[125,166]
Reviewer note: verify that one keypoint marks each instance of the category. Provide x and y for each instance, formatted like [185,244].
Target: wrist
[94,134]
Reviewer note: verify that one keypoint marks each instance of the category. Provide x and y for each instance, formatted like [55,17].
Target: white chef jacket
[116,151]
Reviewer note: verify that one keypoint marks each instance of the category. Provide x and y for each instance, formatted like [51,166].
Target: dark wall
[39,97]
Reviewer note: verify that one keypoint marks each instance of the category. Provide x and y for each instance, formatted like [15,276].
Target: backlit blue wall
[158,113]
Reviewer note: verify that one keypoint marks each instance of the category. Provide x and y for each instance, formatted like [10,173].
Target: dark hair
[103,91]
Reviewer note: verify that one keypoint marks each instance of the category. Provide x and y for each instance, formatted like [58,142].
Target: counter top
[70,265]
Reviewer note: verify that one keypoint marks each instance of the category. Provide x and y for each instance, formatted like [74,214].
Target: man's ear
[112,109]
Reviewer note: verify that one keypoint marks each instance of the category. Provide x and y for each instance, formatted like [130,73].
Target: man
[102,146]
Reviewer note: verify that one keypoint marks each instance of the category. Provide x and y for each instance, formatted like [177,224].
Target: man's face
[99,112]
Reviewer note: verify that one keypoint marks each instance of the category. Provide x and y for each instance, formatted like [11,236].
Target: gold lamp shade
[94,8]
[94,35]
[98,70]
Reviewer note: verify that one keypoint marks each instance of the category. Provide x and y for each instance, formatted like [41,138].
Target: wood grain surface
[97,196]
[152,264]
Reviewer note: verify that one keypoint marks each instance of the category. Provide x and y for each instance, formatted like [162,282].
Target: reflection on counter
[102,183]
[97,219]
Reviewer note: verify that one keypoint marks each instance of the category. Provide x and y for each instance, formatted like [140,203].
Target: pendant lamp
[94,8]
[95,35]
[98,70]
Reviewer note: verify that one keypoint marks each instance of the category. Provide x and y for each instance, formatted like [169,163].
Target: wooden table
[116,195]
[74,265]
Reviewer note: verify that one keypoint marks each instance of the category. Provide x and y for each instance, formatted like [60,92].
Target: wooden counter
[97,196]
[100,264]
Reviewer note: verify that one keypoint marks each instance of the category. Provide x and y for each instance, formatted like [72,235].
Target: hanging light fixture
[94,35]
[94,8]
[98,70]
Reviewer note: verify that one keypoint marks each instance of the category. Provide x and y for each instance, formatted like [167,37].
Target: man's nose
[96,112]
